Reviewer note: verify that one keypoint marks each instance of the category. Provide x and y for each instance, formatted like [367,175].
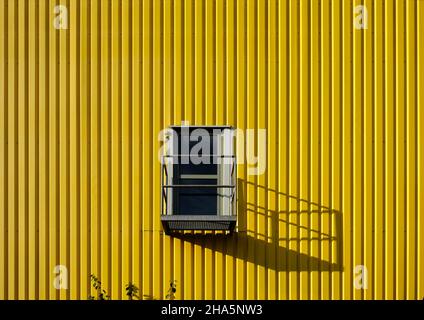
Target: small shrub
[172,290]
[131,291]
[97,285]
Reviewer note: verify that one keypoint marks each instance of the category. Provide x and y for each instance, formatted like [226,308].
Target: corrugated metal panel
[80,111]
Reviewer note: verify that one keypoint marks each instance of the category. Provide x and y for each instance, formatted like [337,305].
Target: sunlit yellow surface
[80,113]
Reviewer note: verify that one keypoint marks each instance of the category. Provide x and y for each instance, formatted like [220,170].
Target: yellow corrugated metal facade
[80,113]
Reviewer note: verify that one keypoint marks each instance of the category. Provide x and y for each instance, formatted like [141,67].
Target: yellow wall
[80,111]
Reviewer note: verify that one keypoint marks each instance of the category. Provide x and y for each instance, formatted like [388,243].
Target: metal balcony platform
[198,222]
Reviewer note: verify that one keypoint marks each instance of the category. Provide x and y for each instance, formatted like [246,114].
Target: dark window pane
[195,200]
[198,200]
[198,169]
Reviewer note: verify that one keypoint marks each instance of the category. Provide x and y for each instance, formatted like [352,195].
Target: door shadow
[289,243]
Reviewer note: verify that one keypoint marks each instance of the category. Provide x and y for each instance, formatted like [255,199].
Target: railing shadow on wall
[272,250]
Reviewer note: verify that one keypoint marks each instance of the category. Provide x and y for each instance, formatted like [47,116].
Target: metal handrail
[203,155]
[166,171]
[197,185]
